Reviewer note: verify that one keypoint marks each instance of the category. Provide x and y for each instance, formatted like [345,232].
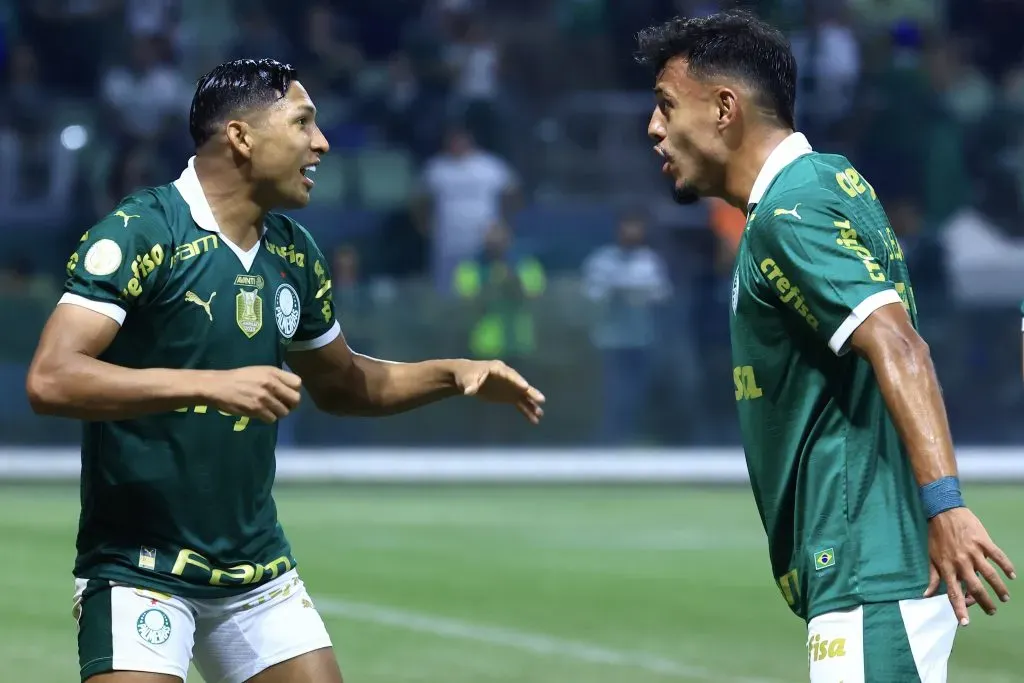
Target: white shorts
[232,639]
[888,642]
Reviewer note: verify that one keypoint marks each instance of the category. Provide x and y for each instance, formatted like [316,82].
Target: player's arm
[66,379]
[342,382]
[118,264]
[821,267]
[960,545]
[906,377]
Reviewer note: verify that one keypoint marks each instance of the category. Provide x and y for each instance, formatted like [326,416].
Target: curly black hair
[734,43]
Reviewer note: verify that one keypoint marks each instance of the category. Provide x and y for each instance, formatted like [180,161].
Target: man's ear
[728,106]
[240,137]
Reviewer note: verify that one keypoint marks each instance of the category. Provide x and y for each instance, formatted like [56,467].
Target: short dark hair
[234,87]
[732,43]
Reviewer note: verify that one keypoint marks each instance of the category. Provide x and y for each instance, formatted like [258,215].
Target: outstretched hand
[498,383]
[960,551]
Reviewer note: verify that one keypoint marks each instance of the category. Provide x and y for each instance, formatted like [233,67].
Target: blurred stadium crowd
[491,192]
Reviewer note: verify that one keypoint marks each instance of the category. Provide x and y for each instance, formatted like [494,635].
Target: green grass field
[508,584]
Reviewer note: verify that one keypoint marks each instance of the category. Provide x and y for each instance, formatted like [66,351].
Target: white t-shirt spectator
[467,199]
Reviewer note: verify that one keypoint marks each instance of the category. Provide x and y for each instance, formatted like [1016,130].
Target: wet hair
[731,44]
[233,88]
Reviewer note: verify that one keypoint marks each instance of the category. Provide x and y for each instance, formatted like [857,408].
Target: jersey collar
[191,191]
[787,151]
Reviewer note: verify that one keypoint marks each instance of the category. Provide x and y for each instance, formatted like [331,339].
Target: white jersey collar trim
[787,151]
[191,190]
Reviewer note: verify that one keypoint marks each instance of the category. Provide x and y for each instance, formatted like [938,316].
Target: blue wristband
[941,495]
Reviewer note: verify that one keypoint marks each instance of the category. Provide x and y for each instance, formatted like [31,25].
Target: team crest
[154,626]
[249,304]
[249,312]
[286,310]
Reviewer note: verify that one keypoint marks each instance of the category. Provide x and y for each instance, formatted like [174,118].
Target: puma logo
[788,212]
[126,217]
[193,298]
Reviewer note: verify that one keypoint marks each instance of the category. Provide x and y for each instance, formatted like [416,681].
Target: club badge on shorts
[154,626]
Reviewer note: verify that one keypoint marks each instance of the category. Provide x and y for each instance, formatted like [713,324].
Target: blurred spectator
[962,88]
[408,114]
[37,171]
[74,33]
[147,96]
[828,62]
[153,18]
[260,36]
[880,16]
[22,281]
[925,98]
[352,297]
[474,62]
[25,95]
[134,166]
[464,191]
[499,284]
[625,281]
[329,48]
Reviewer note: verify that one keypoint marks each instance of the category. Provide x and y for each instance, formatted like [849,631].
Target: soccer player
[180,309]
[846,439]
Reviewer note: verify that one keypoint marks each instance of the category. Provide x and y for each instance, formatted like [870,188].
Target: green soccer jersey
[180,502]
[830,476]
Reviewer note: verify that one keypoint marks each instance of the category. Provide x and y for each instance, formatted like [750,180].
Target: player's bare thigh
[318,666]
[132,677]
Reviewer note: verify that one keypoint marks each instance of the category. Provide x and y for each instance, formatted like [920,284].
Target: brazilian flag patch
[823,559]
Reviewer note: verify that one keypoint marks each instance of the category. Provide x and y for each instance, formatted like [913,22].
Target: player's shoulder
[810,179]
[289,239]
[147,212]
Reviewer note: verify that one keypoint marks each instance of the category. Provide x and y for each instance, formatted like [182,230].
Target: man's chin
[685,194]
[295,200]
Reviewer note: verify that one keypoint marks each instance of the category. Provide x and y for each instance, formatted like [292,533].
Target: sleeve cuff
[839,340]
[112,311]
[323,340]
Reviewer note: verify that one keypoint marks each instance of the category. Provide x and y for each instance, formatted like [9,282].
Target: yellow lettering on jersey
[239,575]
[142,267]
[789,586]
[906,293]
[746,383]
[819,649]
[188,557]
[892,244]
[849,239]
[249,281]
[287,253]
[853,184]
[788,292]
[326,310]
[240,424]
[194,248]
